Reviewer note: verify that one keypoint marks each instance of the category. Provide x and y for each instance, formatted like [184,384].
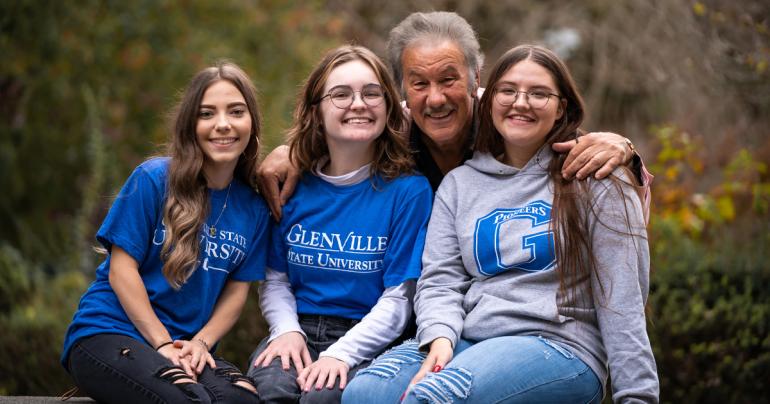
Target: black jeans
[115,368]
[276,385]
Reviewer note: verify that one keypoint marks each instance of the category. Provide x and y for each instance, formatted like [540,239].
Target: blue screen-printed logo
[517,238]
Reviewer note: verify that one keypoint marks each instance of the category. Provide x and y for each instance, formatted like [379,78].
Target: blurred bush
[34,313]
[709,301]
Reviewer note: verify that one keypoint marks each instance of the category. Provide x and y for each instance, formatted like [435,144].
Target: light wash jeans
[498,370]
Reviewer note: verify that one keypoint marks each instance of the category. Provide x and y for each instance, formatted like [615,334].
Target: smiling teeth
[223,141]
[438,116]
[357,120]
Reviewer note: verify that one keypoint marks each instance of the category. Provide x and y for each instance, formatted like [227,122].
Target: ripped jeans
[115,368]
[518,369]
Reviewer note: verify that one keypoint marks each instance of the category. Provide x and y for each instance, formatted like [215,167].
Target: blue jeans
[115,368]
[276,385]
[498,370]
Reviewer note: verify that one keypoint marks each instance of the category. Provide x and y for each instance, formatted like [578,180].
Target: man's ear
[477,82]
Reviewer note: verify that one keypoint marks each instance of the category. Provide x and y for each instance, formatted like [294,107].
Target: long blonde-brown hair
[187,201]
[574,252]
[307,139]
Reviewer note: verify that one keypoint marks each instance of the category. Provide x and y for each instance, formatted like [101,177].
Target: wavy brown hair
[307,139]
[187,196]
[572,199]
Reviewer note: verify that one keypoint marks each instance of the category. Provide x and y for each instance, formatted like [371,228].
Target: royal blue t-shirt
[237,251]
[342,246]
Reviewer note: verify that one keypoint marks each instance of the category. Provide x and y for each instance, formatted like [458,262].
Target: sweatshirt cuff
[426,336]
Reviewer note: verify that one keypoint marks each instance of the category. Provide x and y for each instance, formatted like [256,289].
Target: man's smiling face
[438,92]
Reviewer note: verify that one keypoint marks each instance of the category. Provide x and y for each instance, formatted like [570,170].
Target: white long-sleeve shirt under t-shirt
[381,326]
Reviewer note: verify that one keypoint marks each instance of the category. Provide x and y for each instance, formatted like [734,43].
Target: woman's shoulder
[621,177]
[155,163]
[149,173]
[154,166]
[620,186]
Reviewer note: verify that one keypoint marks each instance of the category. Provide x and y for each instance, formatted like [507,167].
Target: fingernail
[437,368]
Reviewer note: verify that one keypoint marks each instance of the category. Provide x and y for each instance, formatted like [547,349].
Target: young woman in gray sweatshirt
[533,287]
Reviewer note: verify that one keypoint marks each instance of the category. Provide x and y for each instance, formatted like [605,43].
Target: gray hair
[437,26]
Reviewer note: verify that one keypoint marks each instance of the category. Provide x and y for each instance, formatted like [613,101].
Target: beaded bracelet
[164,344]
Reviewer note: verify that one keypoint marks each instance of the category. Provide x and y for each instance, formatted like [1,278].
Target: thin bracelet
[164,344]
[202,342]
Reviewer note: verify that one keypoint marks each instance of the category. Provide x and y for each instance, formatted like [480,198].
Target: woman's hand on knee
[290,347]
[173,353]
[440,354]
[322,372]
[196,354]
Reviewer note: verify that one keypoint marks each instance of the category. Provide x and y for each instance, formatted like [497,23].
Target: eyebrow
[230,105]
[347,86]
[451,68]
[535,87]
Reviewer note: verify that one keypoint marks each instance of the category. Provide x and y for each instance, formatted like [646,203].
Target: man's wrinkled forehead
[443,58]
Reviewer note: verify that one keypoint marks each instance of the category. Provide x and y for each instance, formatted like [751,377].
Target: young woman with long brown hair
[346,254]
[533,287]
[184,238]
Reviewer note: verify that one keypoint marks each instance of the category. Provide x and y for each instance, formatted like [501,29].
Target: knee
[193,391]
[274,381]
[273,374]
[448,385]
[387,377]
[241,389]
[393,362]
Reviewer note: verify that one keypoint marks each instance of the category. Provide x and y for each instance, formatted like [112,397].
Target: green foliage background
[85,87]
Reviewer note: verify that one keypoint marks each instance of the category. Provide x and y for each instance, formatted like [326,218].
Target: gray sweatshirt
[489,270]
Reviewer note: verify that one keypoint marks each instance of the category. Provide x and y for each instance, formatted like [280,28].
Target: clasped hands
[191,356]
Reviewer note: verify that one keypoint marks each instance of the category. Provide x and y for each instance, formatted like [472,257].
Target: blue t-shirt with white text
[237,251]
[342,246]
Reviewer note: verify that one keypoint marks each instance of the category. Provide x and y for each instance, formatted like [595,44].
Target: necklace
[213,227]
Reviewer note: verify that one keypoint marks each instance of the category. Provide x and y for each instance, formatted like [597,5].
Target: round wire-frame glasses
[537,98]
[342,96]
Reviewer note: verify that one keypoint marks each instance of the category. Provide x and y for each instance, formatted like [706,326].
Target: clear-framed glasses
[342,96]
[537,98]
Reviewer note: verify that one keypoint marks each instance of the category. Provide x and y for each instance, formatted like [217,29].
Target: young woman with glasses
[533,287]
[346,253]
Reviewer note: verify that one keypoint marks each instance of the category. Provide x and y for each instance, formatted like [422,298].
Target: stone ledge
[42,400]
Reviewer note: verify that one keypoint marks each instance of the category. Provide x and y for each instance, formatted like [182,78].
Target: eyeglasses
[537,99]
[342,96]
